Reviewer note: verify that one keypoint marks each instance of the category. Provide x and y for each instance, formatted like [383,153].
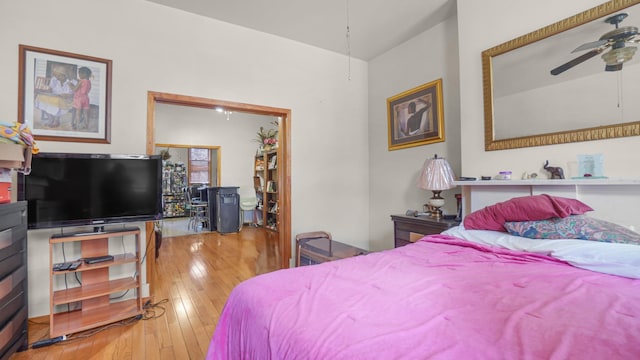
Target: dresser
[13,278]
[408,229]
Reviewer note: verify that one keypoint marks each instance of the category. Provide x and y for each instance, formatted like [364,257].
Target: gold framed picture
[415,117]
[64,96]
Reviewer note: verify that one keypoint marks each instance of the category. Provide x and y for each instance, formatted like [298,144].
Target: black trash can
[224,209]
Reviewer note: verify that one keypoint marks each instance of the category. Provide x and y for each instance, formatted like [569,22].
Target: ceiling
[375,26]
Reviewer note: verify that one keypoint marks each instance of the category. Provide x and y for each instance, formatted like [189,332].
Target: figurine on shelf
[555,171]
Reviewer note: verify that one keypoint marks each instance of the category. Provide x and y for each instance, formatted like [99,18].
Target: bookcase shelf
[91,291]
[75,321]
[174,180]
[93,294]
[266,170]
[117,260]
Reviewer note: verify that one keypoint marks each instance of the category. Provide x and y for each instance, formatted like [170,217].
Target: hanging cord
[135,273]
[151,308]
[146,250]
[348,35]
[89,333]
[620,80]
[64,259]
[620,94]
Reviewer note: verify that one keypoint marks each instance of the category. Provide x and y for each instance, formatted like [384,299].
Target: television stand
[95,306]
[98,230]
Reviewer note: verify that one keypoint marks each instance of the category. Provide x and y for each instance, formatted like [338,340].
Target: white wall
[185,125]
[155,48]
[481,26]
[393,174]
[178,155]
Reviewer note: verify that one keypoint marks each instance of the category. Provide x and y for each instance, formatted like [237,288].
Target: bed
[465,294]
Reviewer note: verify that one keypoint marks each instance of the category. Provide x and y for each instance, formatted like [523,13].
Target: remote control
[74,265]
[97,259]
[63,266]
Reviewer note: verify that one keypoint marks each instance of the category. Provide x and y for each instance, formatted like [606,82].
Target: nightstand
[408,229]
[318,247]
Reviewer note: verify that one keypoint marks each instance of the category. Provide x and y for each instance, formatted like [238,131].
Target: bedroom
[313,83]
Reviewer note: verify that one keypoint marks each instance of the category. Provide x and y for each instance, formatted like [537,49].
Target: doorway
[184,167]
[180,153]
[284,156]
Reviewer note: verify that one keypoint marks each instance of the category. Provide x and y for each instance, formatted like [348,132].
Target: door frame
[284,161]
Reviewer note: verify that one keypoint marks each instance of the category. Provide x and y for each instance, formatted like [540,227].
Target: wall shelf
[547,182]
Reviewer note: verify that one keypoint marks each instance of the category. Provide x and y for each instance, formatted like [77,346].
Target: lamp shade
[436,174]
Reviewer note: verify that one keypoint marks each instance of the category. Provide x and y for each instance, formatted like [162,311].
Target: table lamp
[436,175]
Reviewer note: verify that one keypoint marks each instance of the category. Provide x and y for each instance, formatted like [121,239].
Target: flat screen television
[65,189]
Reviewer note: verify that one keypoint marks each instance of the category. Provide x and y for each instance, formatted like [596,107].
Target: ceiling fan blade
[590,45]
[616,67]
[580,59]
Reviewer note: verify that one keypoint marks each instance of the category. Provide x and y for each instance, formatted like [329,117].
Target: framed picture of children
[64,96]
[415,117]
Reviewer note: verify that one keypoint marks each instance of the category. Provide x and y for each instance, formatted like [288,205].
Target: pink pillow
[526,208]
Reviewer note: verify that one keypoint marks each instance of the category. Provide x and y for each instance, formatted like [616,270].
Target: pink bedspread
[440,298]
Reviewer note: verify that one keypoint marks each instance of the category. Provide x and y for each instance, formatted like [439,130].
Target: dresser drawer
[13,229]
[413,232]
[13,334]
[408,229]
[10,264]
[13,302]
[10,245]
[12,215]
[10,283]
[13,278]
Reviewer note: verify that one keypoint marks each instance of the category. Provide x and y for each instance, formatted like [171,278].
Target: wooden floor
[195,274]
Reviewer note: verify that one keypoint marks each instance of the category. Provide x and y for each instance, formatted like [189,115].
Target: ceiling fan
[616,39]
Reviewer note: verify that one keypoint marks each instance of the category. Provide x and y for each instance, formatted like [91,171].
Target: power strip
[47,342]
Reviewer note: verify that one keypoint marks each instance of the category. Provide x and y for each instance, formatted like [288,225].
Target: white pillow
[608,258]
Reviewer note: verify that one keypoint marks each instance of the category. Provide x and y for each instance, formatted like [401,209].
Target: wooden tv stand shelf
[96,308]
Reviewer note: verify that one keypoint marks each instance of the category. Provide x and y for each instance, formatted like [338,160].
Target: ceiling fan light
[620,55]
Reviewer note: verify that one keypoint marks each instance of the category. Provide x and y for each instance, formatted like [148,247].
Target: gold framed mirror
[526,105]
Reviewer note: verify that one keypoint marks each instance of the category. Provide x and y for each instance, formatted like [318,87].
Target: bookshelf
[266,182]
[174,180]
[258,184]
